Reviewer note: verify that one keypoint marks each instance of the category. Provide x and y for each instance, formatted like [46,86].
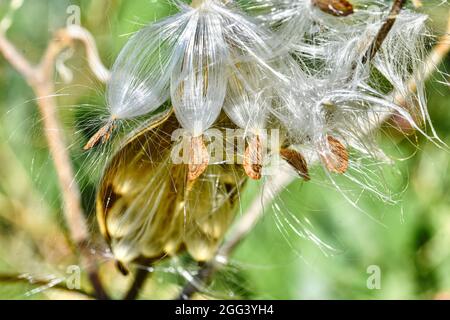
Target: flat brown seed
[297,161]
[102,136]
[198,158]
[337,8]
[337,161]
[252,161]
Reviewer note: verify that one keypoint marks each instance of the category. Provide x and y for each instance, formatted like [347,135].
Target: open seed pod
[146,210]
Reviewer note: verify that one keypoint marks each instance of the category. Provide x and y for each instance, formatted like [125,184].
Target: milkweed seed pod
[309,67]
[145,210]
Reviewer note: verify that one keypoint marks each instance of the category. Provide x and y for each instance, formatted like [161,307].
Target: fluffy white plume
[140,81]
[199,81]
[294,60]
[249,97]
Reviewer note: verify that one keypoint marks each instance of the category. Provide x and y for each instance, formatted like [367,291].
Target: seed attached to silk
[253,156]
[337,158]
[198,158]
[338,8]
[296,160]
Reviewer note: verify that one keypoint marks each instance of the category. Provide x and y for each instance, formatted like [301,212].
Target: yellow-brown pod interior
[147,209]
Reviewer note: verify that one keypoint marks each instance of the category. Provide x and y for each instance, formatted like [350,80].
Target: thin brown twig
[396,8]
[138,283]
[40,79]
[78,33]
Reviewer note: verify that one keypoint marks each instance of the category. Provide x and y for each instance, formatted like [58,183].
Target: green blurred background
[409,241]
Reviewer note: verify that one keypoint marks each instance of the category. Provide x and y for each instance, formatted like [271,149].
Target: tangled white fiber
[318,71]
[281,63]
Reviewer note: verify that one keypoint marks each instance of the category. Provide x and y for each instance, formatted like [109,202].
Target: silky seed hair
[140,81]
[296,66]
[247,104]
[249,97]
[198,82]
[343,99]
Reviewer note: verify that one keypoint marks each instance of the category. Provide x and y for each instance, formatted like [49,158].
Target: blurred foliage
[409,241]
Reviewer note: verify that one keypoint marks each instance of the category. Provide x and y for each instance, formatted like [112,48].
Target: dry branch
[41,80]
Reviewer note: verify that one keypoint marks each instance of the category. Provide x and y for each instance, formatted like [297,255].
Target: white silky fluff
[294,61]
[186,57]
[289,64]
[334,93]
[294,21]
[214,56]
[140,81]
[401,60]
[215,39]
[198,58]
[249,97]
[198,82]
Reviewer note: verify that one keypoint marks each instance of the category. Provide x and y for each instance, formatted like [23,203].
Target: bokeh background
[408,241]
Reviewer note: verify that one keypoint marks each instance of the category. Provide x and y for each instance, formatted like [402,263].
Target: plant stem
[396,8]
[40,79]
[138,283]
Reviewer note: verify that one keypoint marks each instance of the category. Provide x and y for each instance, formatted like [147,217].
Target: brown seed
[297,161]
[252,161]
[337,161]
[198,158]
[337,8]
[102,135]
